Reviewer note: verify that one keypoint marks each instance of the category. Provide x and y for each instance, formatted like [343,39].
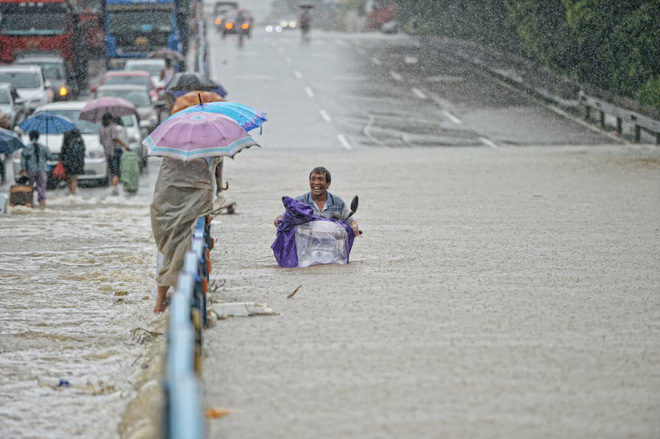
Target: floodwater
[74,306]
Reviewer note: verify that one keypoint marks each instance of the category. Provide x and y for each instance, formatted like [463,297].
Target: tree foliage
[614,45]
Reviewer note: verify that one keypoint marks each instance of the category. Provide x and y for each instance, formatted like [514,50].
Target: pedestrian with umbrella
[106,110]
[35,156]
[34,165]
[192,145]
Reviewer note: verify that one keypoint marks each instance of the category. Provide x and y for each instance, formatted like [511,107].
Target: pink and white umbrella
[96,108]
[197,135]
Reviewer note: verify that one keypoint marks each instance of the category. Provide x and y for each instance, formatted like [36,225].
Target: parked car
[57,72]
[11,104]
[30,83]
[133,77]
[96,167]
[152,65]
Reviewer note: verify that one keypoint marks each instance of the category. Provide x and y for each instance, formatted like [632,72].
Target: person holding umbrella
[113,145]
[34,164]
[185,184]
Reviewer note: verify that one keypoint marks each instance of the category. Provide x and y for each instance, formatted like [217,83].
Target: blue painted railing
[184,417]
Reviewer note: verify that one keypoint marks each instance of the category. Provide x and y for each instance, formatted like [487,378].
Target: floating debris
[243,309]
[294,292]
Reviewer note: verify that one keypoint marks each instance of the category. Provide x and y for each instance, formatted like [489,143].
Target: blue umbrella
[247,117]
[47,122]
[9,141]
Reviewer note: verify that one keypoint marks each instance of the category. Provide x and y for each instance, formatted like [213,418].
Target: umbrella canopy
[167,54]
[47,122]
[197,135]
[247,117]
[195,98]
[183,83]
[9,141]
[96,108]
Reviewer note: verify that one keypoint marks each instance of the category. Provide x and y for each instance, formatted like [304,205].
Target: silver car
[31,85]
[11,104]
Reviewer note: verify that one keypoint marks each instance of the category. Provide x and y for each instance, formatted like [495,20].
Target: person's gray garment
[183,192]
[32,162]
[334,208]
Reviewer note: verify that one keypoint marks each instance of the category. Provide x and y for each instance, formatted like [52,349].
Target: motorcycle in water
[304,240]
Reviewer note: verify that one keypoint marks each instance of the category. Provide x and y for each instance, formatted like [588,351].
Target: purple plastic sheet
[297,213]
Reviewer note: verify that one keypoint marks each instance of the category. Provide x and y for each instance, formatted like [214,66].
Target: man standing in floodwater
[324,204]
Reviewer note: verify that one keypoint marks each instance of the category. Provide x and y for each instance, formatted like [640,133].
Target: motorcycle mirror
[354,204]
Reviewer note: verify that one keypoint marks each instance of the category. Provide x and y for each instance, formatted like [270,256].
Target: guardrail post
[638,133]
[602,119]
[619,125]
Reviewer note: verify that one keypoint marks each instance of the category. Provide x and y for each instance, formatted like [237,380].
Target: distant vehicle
[289,24]
[11,104]
[381,14]
[48,26]
[152,65]
[228,24]
[138,95]
[57,72]
[133,77]
[134,28]
[31,85]
[96,168]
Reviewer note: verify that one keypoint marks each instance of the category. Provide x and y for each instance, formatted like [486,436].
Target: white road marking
[376,61]
[344,142]
[396,76]
[367,130]
[445,78]
[361,51]
[309,92]
[451,117]
[325,115]
[420,94]
[281,49]
[410,60]
[297,74]
[288,60]
[488,142]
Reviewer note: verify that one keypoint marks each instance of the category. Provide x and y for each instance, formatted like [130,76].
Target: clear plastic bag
[320,243]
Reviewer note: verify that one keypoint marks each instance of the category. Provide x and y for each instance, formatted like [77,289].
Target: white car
[32,87]
[152,65]
[138,95]
[96,166]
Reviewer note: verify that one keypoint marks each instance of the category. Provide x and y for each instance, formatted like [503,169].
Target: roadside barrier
[637,120]
[183,411]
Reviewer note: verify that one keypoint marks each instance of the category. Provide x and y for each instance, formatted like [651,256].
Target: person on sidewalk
[324,204]
[72,157]
[167,73]
[113,145]
[34,164]
[183,192]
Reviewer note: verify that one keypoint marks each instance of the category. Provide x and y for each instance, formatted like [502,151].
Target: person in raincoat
[183,192]
[110,137]
[34,164]
[72,157]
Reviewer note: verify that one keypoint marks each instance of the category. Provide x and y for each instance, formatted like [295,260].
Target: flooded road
[76,280]
[509,280]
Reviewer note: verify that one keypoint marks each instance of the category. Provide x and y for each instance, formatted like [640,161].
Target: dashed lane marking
[288,60]
[309,92]
[376,61]
[451,117]
[396,76]
[420,94]
[344,142]
[410,60]
[297,74]
[488,142]
[325,115]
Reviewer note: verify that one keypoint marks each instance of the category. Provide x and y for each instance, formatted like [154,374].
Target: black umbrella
[183,83]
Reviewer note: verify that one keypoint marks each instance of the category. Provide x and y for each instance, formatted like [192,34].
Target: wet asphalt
[506,284]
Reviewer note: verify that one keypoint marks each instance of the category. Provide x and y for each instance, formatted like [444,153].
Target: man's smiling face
[318,185]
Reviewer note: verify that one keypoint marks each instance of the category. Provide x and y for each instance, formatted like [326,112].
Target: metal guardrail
[637,120]
[183,417]
[202,48]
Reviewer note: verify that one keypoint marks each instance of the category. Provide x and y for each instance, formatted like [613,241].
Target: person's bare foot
[163,299]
